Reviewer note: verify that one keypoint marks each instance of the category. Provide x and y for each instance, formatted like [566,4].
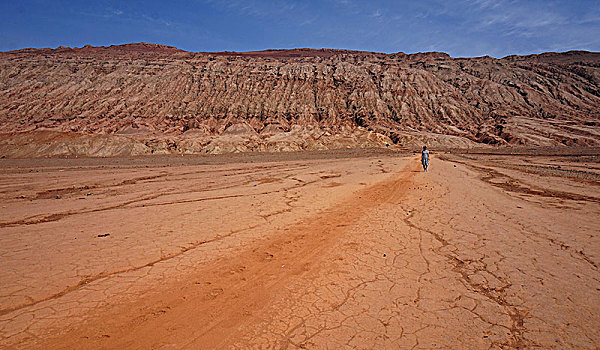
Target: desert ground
[352,249]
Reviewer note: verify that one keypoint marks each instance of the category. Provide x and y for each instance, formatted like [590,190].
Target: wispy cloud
[533,26]
[254,8]
[523,18]
[488,4]
[376,14]
[308,21]
[113,14]
[459,27]
[107,13]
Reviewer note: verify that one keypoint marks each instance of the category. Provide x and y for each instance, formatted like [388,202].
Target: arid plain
[302,250]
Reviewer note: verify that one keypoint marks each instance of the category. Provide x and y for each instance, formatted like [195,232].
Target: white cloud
[255,8]
[376,14]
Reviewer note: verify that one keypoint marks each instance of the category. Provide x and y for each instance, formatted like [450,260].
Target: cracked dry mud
[483,251]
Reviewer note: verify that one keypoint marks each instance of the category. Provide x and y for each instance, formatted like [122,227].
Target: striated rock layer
[147,98]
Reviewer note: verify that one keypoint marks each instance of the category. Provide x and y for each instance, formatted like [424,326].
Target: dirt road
[364,252]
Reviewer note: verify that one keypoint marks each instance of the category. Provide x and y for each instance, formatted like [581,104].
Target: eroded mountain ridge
[148,98]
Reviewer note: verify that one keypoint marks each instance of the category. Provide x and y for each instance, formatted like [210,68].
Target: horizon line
[59,47]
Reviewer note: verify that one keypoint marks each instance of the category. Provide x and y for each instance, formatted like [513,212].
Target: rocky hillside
[147,98]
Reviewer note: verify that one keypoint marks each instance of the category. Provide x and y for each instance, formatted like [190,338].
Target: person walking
[425,158]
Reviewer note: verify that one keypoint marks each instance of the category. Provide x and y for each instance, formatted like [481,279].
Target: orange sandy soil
[359,250]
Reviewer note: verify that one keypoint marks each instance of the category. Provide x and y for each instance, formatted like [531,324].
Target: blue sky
[460,28]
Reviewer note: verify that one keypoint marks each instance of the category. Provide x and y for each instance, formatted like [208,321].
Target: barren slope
[163,100]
